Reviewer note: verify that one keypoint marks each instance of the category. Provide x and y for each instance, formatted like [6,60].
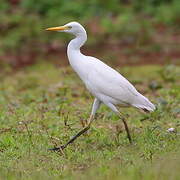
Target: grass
[43,106]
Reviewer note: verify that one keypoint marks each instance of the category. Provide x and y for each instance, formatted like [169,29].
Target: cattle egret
[106,84]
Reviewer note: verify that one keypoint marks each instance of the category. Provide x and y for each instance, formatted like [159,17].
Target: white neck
[76,58]
[77,42]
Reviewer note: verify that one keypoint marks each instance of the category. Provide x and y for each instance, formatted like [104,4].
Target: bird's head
[73,28]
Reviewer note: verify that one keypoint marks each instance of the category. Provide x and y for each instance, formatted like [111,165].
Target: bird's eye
[69,27]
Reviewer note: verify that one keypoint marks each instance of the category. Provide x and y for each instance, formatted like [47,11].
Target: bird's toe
[57,148]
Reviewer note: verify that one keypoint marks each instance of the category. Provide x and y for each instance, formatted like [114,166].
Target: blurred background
[120,32]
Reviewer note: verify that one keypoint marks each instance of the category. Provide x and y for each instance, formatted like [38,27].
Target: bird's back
[105,82]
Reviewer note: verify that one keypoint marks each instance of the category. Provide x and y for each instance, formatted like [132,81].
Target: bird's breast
[79,65]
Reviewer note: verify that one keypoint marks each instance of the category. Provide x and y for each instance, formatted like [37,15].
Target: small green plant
[170,73]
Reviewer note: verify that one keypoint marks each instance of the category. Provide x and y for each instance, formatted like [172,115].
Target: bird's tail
[144,104]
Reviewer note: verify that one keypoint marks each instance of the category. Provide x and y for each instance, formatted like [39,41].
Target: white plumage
[106,84]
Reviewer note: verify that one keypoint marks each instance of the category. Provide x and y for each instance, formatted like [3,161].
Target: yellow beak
[60,28]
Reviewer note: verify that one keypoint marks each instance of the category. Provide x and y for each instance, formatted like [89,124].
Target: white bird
[106,84]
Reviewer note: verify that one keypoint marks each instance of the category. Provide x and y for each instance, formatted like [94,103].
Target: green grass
[43,106]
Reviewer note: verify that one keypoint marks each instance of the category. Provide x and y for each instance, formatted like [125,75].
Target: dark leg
[114,109]
[95,107]
[74,137]
[127,130]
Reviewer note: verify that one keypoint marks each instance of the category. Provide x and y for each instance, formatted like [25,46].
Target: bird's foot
[57,148]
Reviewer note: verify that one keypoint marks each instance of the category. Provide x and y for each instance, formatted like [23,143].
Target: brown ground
[164,47]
